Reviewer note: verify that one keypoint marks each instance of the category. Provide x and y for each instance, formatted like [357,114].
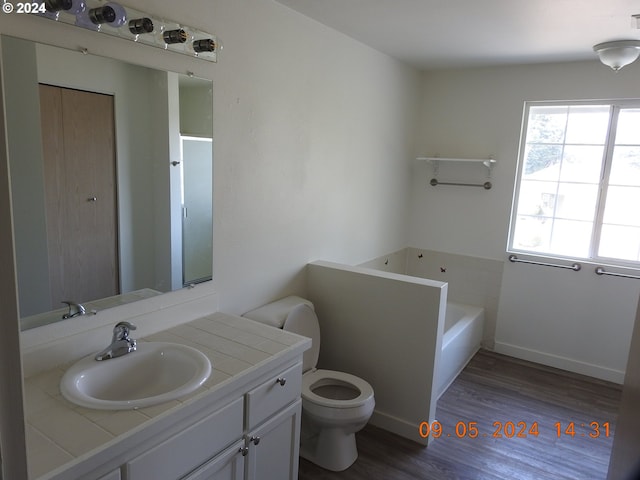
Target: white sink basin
[156,372]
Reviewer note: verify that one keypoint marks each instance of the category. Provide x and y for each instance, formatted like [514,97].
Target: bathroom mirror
[111,178]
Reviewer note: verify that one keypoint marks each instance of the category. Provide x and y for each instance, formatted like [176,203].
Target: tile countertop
[60,434]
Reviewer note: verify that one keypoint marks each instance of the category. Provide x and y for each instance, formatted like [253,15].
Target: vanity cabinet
[243,424]
[255,437]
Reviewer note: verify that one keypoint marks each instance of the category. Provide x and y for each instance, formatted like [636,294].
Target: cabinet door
[187,450]
[274,446]
[229,465]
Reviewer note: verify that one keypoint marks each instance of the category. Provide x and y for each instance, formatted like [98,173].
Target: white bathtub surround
[472,280]
[463,328]
[387,328]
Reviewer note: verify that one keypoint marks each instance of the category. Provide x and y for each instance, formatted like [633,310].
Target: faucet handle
[121,331]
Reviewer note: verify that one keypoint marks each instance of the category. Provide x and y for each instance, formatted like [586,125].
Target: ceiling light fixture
[619,53]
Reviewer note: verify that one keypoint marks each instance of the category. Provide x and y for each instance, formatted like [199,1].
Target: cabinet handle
[244,451]
[281,381]
[255,440]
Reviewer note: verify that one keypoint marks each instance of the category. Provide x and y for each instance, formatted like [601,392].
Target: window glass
[587,125]
[625,167]
[582,163]
[620,242]
[628,131]
[578,192]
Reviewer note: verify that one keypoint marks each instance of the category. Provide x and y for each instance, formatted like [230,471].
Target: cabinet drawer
[190,448]
[274,394]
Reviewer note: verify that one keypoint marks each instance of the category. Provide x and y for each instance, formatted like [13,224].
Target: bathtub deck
[495,388]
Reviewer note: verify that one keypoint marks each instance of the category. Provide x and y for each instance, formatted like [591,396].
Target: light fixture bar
[117,20]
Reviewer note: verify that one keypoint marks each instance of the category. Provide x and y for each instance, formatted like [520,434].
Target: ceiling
[436,34]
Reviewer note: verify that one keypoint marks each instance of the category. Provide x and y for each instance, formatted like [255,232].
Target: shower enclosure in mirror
[111,174]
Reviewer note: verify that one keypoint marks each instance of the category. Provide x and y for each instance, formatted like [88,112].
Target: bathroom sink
[156,372]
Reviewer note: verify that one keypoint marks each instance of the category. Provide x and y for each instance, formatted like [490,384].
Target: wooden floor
[492,391]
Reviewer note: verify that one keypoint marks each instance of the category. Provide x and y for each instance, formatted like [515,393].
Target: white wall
[312,135]
[387,329]
[571,320]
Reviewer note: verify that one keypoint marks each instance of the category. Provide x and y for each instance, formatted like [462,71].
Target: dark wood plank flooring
[495,388]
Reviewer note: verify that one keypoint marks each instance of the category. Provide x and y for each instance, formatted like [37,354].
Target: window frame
[615,105]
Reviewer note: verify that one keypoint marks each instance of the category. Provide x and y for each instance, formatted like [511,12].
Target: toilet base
[331,448]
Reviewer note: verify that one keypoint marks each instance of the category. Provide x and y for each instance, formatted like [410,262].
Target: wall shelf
[435,161]
[487,162]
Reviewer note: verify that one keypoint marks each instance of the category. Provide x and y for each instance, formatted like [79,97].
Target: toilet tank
[276,313]
[295,315]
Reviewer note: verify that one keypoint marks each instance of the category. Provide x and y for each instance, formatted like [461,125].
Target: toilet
[335,405]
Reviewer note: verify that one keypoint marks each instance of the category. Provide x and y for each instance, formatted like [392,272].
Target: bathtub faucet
[75,310]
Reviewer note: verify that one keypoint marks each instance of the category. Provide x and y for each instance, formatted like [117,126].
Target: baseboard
[398,426]
[563,363]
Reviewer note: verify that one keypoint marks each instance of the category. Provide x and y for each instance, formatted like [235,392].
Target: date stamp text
[500,429]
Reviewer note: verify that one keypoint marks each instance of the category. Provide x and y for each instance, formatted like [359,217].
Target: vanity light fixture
[115,19]
[618,54]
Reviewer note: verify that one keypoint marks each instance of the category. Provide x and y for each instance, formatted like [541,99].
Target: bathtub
[463,328]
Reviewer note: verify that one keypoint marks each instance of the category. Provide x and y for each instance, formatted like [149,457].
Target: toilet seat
[311,379]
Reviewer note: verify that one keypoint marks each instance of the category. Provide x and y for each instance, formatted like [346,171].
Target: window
[578,186]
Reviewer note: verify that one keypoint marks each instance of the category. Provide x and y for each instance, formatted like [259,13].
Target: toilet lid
[303,321]
[328,377]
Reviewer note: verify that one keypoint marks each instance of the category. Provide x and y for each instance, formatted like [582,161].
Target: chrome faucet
[121,344]
[75,310]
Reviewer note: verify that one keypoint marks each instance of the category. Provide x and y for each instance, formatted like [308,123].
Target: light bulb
[57,5]
[110,14]
[141,25]
[178,35]
[206,45]
[70,6]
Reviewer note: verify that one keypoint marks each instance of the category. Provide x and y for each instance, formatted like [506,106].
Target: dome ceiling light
[619,53]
